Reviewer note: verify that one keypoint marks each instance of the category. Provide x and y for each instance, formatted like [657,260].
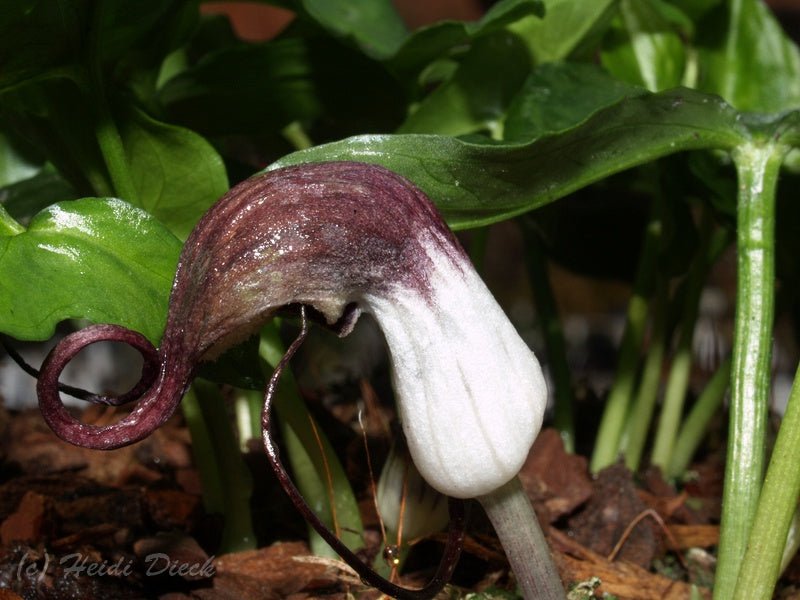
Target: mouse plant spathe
[344,238]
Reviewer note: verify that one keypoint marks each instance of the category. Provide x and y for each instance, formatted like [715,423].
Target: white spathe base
[471,394]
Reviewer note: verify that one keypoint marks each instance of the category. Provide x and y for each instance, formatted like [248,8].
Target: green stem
[776,509]
[297,136]
[220,463]
[694,427]
[203,452]
[110,142]
[105,129]
[757,170]
[712,243]
[515,523]
[8,224]
[644,406]
[547,312]
[609,435]
[792,540]
[248,405]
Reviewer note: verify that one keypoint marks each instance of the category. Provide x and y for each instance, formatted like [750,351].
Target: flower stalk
[757,169]
[515,523]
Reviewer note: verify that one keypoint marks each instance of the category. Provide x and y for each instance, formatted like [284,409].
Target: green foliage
[121,122]
[177,173]
[62,266]
[478,183]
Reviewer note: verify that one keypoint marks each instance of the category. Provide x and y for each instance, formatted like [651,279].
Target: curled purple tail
[158,391]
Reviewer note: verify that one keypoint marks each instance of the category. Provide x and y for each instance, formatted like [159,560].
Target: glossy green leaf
[477,96]
[748,59]
[566,27]
[99,259]
[478,184]
[374,25]
[178,175]
[557,96]
[436,41]
[8,225]
[643,47]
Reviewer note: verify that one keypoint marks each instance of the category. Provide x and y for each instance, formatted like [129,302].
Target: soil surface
[77,523]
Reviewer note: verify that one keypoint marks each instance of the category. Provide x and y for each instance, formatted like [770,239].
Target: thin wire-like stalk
[776,509]
[317,470]
[458,516]
[515,523]
[757,170]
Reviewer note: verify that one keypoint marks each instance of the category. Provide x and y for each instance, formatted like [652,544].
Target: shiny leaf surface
[99,259]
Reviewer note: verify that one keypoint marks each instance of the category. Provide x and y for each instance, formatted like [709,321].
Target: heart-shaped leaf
[99,259]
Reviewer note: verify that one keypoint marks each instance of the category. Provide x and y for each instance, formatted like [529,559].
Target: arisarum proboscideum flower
[339,239]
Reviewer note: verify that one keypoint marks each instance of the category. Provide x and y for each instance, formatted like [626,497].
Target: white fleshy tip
[470,393]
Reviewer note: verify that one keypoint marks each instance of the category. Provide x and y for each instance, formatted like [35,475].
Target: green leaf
[695,9]
[478,184]
[57,118]
[566,27]
[557,96]
[24,199]
[430,43]
[178,175]
[262,88]
[245,89]
[99,259]
[748,59]
[146,28]
[15,165]
[643,47]
[477,96]
[38,37]
[373,25]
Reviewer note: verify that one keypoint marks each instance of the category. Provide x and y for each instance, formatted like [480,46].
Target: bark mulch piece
[623,579]
[604,522]
[77,523]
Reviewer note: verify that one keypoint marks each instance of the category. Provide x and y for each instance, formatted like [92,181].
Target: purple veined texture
[340,238]
[320,235]
[156,392]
